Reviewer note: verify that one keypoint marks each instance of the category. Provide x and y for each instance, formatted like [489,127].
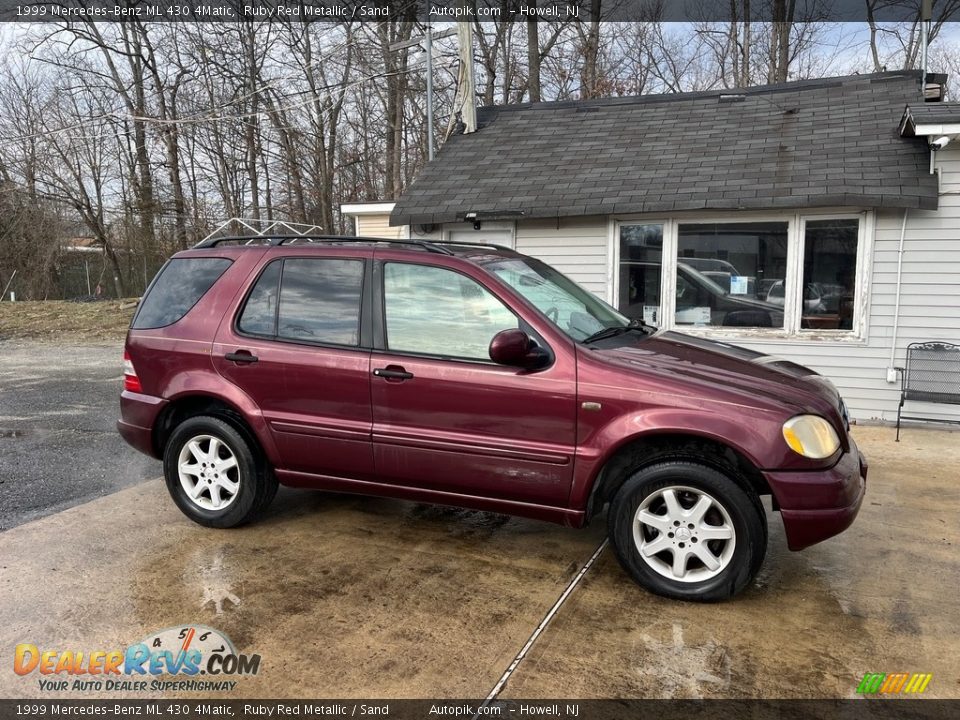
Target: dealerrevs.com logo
[894,683]
[186,653]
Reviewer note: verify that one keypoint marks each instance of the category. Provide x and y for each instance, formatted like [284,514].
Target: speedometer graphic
[187,637]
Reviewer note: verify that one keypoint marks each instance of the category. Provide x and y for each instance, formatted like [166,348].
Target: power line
[195,119]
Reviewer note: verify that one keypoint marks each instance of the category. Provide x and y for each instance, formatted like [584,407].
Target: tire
[228,481]
[728,524]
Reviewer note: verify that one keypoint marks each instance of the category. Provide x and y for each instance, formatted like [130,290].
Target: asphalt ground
[58,443]
[345,596]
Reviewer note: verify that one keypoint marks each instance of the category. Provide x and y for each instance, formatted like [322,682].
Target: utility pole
[429,48]
[427,40]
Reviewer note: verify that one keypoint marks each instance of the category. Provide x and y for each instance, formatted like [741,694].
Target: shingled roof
[927,114]
[814,143]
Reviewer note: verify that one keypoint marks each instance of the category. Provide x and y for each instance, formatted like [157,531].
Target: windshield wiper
[609,332]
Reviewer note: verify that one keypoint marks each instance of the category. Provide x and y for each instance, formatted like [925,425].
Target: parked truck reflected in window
[725,270]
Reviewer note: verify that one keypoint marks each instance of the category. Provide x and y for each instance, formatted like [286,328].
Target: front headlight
[811,436]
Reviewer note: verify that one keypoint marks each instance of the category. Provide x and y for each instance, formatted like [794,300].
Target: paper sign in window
[739,284]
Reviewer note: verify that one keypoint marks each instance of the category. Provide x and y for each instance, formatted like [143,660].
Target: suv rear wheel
[215,475]
[687,531]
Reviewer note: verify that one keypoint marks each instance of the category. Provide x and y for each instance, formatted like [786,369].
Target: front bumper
[820,504]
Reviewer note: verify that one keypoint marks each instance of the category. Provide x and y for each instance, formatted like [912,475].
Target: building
[810,220]
[372,219]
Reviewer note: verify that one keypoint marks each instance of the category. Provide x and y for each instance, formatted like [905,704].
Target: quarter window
[260,313]
[436,311]
[176,289]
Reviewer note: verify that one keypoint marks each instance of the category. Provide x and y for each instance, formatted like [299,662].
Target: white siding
[929,305]
[379,226]
[929,302]
[577,247]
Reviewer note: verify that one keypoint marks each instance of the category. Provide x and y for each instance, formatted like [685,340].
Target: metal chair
[931,374]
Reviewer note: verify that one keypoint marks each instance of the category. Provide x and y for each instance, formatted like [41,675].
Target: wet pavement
[58,442]
[345,596]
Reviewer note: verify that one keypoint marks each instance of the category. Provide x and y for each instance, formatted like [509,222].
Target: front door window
[435,311]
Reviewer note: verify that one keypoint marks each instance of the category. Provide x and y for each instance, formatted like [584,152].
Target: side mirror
[514,347]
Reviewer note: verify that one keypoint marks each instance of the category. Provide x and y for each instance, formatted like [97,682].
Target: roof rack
[275,240]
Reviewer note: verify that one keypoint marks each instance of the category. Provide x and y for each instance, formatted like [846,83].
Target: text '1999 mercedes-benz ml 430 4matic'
[474,376]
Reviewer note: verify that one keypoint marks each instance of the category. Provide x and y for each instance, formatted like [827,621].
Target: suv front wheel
[687,531]
[215,475]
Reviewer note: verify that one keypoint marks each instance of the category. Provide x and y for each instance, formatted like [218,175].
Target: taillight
[130,380]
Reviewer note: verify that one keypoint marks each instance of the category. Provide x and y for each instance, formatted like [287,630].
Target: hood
[718,369]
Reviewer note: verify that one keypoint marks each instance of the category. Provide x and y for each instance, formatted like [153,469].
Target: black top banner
[470,10]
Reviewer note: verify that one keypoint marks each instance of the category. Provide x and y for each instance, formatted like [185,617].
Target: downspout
[891,368]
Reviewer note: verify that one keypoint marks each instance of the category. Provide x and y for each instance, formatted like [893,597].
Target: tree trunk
[591,51]
[745,80]
[533,59]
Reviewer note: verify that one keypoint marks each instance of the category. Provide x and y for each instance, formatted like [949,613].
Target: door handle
[241,356]
[393,372]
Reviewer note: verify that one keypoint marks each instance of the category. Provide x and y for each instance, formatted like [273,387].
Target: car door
[295,347]
[445,417]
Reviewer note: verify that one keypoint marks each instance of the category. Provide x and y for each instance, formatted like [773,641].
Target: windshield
[712,286]
[574,310]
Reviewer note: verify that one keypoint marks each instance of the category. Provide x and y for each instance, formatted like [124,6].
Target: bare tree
[896,45]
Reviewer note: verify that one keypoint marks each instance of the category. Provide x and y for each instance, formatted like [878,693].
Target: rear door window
[314,300]
[177,288]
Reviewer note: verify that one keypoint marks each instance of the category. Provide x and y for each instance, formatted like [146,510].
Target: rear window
[178,287]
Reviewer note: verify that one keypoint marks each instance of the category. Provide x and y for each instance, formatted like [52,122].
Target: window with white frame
[830,249]
[724,271]
[787,275]
[641,253]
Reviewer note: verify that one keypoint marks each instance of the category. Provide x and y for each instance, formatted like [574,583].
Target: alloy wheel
[684,534]
[208,472]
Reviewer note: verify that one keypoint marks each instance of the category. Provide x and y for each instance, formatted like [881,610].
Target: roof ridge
[809,83]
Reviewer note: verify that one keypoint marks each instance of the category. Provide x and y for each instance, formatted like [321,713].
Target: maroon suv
[475,376]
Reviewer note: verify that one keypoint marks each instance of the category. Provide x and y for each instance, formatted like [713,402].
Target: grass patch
[56,320]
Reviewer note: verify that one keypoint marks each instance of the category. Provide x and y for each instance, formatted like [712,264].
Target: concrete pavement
[346,596]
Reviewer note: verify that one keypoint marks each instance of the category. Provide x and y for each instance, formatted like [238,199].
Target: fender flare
[746,440]
[214,387]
